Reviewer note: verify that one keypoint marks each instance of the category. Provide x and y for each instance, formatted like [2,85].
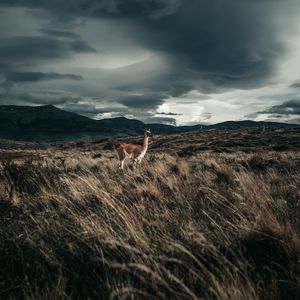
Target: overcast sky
[169,61]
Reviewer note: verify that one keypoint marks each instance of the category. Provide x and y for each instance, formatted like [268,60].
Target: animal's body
[135,152]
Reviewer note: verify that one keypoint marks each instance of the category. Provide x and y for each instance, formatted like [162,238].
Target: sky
[179,62]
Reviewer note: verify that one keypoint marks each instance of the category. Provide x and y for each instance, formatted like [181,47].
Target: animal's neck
[145,143]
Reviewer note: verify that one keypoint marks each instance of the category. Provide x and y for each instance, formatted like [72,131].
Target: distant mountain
[48,123]
[42,123]
[249,124]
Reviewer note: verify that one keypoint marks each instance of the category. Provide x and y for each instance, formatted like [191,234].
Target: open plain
[207,215]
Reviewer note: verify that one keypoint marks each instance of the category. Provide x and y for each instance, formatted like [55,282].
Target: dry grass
[210,225]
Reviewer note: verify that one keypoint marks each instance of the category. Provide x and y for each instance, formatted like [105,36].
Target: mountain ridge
[48,123]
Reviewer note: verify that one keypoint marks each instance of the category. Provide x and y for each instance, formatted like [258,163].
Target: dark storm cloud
[278,116]
[217,41]
[88,110]
[34,49]
[59,33]
[207,116]
[291,107]
[29,98]
[11,93]
[170,114]
[287,108]
[295,85]
[160,120]
[151,8]
[178,88]
[145,102]
[38,76]
[99,8]
[41,98]
[215,45]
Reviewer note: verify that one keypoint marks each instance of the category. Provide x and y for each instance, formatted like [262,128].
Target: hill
[49,123]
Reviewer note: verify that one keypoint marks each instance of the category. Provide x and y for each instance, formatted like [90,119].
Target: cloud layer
[133,56]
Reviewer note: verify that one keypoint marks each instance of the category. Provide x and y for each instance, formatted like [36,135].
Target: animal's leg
[122,164]
[122,157]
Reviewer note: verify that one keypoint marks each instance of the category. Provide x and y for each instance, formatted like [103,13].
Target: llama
[134,151]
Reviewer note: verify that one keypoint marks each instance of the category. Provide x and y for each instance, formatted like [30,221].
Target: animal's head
[148,133]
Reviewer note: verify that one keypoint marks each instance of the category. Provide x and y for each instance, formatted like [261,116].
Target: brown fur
[130,149]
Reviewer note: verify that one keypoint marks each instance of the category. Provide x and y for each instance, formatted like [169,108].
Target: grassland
[208,215]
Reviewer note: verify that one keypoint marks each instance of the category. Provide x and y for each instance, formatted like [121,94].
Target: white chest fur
[142,154]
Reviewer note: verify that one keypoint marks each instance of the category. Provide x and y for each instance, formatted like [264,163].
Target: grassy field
[208,215]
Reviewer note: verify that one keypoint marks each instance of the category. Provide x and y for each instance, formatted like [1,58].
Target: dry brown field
[207,215]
